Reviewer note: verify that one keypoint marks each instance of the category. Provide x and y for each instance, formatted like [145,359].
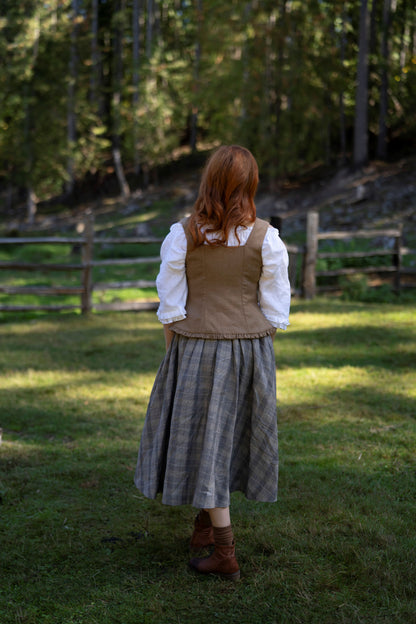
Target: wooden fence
[302,266]
[85,267]
[312,254]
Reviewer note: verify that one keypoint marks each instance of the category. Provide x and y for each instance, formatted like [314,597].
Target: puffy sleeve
[274,286]
[171,282]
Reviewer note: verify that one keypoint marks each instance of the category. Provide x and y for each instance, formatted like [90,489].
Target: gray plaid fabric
[211,424]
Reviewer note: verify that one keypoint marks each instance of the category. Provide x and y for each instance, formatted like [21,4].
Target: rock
[131,208]
[143,229]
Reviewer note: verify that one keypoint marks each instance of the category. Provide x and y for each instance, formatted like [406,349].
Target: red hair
[226,195]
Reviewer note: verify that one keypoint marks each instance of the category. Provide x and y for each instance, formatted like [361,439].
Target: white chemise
[274,286]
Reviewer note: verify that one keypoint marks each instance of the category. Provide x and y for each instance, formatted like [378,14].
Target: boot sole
[228,577]
[235,576]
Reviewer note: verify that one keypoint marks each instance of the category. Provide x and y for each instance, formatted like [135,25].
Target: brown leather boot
[222,562]
[203,535]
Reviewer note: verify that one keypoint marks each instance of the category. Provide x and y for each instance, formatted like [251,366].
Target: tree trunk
[361,98]
[54,16]
[404,38]
[137,11]
[157,19]
[149,29]
[71,115]
[31,207]
[9,195]
[118,77]
[266,124]
[94,82]
[342,123]
[245,65]
[149,45]
[382,132]
[414,41]
[197,61]
[372,45]
[280,61]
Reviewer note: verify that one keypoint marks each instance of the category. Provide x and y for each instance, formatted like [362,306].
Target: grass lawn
[79,544]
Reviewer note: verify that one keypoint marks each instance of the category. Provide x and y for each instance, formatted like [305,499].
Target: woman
[211,425]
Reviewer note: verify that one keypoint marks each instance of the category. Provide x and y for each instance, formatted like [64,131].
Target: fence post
[87,255]
[397,261]
[309,273]
[277,222]
[292,270]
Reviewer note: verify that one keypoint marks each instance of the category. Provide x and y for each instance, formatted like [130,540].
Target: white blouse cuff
[278,324]
[283,326]
[165,319]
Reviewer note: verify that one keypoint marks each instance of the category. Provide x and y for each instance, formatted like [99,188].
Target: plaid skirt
[211,424]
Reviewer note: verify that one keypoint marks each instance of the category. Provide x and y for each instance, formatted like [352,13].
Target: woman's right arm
[168,336]
[171,281]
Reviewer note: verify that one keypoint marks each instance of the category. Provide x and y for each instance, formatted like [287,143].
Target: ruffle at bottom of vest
[206,336]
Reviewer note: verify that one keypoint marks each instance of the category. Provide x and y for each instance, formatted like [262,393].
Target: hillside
[379,196]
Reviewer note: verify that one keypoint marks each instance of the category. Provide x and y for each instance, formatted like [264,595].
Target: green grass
[79,544]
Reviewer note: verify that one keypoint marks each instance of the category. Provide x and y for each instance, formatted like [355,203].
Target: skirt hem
[200,504]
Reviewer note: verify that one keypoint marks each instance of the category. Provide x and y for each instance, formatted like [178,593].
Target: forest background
[99,94]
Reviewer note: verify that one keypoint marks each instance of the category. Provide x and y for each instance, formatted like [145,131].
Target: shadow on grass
[65,407]
[352,402]
[70,420]
[96,344]
[368,345]
[102,345]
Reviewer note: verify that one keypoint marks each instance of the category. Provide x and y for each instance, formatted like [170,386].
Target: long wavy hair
[226,195]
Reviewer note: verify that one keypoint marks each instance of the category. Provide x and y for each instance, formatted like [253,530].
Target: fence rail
[85,267]
[312,255]
[303,273]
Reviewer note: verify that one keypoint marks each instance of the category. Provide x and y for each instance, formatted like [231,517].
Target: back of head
[226,194]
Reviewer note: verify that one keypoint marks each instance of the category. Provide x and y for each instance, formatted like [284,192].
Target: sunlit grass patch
[337,547]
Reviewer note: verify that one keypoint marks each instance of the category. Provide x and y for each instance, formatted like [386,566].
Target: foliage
[358,288]
[354,287]
[276,76]
[80,545]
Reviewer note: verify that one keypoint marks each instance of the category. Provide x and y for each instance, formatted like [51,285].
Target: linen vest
[222,300]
